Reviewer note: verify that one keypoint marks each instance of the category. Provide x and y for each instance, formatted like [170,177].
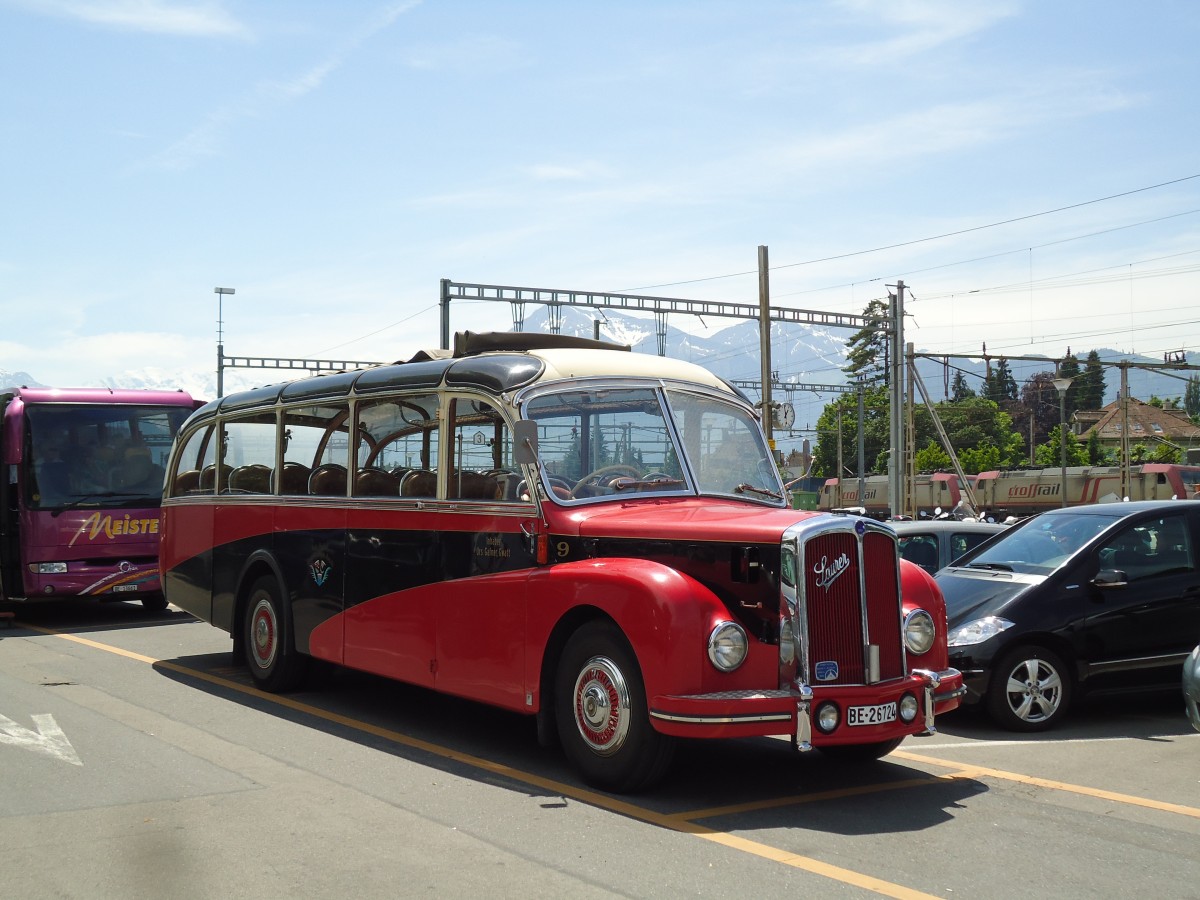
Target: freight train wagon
[1028,491]
[931,491]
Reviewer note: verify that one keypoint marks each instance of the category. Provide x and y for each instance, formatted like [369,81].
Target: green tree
[981,459]
[1096,454]
[1048,454]
[1153,453]
[932,458]
[959,389]
[999,385]
[973,423]
[1191,398]
[867,349]
[876,433]
[1069,368]
[1090,387]
[1039,402]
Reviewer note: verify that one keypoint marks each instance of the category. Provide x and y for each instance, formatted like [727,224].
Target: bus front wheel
[601,712]
[270,645]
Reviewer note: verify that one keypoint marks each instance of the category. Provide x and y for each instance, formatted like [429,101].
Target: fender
[229,612]
[919,590]
[666,616]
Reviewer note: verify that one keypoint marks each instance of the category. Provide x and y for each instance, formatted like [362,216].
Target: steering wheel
[561,488]
[593,479]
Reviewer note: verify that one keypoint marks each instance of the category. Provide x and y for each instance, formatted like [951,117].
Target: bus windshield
[98,455]
[618,441]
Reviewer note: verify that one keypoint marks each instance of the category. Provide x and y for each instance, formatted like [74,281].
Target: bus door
[485,557]
[10,535]
[393,584]
[309,536]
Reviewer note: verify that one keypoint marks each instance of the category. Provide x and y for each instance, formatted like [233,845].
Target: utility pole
[221,293]
[896,461]
[764,340]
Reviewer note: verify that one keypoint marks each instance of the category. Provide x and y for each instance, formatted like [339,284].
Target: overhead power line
[924,240]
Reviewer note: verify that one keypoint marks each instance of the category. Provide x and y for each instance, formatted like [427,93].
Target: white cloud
[924,25]
[154,16]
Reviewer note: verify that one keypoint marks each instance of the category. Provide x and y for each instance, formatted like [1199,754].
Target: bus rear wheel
[275,664]
[601,712]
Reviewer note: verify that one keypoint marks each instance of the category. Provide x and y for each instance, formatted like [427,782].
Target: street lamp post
[221,292]
[1061,385]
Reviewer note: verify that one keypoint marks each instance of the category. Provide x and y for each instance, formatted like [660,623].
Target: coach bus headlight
[909,707]
[54,568]
[727,646]
[919,631]
[827,717]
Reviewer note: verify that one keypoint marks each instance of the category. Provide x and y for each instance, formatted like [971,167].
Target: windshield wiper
[632,483]
[1000,567]
[92,498]
[743,487]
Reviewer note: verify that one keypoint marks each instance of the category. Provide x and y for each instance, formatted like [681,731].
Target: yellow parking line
[981,771]
[663,820]
[817,797]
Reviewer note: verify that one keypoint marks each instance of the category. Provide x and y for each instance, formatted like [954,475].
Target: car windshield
[1041,544]
[626,440]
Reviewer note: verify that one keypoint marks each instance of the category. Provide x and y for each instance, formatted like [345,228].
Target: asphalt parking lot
[132,740]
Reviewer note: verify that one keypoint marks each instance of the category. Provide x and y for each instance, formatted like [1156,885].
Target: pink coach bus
[82,486]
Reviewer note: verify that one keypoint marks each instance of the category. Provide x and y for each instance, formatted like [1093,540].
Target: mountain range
[800,354]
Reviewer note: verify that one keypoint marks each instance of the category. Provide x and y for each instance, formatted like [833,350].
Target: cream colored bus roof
[575,363]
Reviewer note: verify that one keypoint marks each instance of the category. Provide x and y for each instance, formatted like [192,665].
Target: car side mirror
[1110,578]
[525,440]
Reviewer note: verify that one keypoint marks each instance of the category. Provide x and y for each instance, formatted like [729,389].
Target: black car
[1075,599]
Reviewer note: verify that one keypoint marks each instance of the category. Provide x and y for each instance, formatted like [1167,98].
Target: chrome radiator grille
[845,609]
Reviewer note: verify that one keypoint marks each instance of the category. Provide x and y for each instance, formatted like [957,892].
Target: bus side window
[250,454]
[314,441]
[397,446]
[482,453]
[197,453]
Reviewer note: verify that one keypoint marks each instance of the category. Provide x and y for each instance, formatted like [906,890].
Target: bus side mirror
[525,442]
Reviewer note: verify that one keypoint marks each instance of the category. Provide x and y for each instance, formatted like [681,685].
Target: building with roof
[1147,425]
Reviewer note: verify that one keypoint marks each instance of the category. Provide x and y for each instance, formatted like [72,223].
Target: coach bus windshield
[102,455]
[620,441]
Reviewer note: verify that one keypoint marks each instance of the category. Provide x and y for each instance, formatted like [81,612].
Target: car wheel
[861,752]
[601,713]
[1030,689]
[271,654]
[153,602]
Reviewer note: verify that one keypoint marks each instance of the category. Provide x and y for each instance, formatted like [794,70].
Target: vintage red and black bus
[83,482]
[593,537]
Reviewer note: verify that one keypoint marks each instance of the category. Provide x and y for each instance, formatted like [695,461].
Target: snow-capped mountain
[17,379]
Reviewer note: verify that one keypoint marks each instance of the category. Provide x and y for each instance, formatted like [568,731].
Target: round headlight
[827,717]
[727,646]
[909,707]
[919,632]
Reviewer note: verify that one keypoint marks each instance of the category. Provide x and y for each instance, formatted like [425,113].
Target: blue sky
[332,162]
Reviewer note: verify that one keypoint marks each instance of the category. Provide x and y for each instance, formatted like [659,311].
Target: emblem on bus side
[828,572]
[827,670]
[320,572]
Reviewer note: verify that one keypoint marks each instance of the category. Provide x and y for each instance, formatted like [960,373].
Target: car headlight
[977,631]
[50,568]
[919,632]
[727,646]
